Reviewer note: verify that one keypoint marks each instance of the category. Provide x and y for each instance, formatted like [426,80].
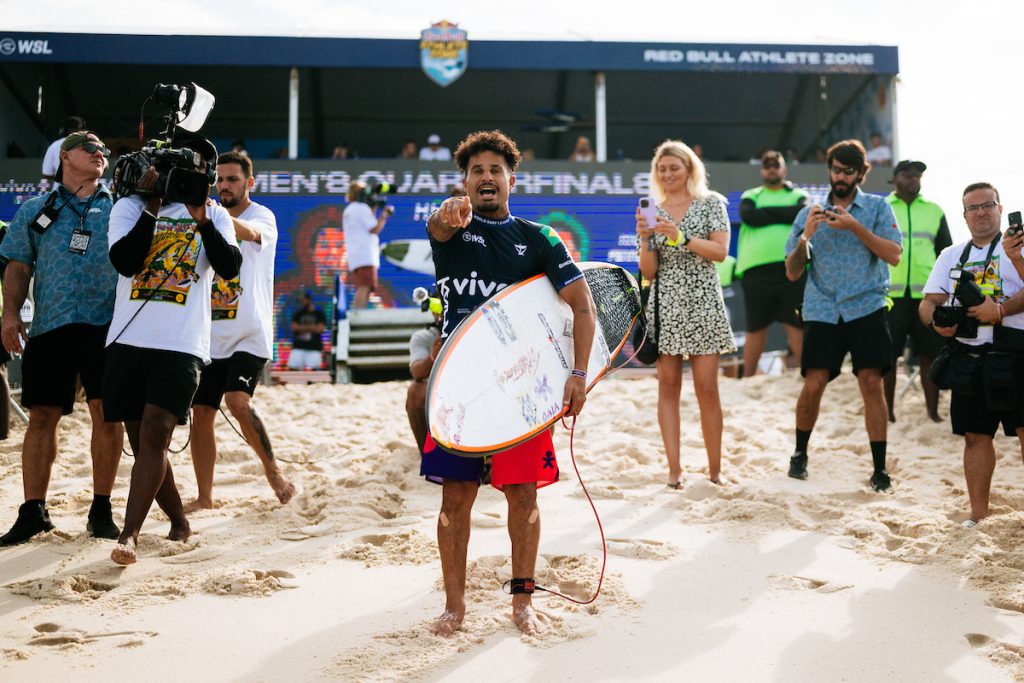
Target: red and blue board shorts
[530,462]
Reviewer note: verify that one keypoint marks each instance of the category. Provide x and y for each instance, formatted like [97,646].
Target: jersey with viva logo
[487,256]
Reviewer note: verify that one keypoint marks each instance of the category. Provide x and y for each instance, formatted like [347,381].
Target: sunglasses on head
[93,147]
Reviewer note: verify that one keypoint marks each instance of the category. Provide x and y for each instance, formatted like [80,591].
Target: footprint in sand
[74,588]
[808,583]
[302,533]
[997,650]
[642,548]
[487,520]
[51,634]
[200,554]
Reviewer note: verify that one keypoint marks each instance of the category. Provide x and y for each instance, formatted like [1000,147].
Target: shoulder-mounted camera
[182,176]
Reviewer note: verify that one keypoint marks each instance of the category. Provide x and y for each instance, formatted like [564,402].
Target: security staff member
[983,370]
[925,235]
[769,296]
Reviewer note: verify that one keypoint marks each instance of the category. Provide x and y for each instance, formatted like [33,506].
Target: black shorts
[54,360]
[769,296]
[905,322]
[136,377]
[866,339]
[240,372]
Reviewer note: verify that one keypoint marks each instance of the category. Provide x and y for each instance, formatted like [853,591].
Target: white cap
[434,139]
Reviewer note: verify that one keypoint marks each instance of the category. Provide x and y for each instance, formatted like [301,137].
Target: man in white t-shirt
[362,225]
[159,339]
[242,335]
[434,151]
[51,160]
[987,354]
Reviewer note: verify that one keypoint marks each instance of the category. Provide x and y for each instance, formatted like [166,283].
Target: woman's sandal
[676,485]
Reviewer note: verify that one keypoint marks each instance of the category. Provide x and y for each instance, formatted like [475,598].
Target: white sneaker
[968,524]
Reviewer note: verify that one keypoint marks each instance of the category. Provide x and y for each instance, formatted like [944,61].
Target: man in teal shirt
[60,239]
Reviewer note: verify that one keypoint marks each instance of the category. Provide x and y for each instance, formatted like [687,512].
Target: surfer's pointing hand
[456,212]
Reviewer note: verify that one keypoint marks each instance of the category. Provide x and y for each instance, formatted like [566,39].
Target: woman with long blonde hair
[679,253]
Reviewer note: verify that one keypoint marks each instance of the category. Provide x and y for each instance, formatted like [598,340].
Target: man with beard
[768,295]
[241,344]
[497,249]
[925,235]
[845,247]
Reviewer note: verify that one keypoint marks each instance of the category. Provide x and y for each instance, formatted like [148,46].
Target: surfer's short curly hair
[487,141]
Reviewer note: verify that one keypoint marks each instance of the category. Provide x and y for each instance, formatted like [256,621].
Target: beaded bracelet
[582,374]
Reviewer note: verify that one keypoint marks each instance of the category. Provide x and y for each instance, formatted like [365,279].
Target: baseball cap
[907,164]
[434,139]
[79,137]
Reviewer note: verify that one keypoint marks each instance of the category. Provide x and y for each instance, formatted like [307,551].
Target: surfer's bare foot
[198,504]
[124,552]
[180,531]
[525,618]
[448,623]
[283,489]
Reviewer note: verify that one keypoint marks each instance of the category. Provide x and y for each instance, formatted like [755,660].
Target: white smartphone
[649,210]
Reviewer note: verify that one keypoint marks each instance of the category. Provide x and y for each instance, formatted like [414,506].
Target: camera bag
[999,372]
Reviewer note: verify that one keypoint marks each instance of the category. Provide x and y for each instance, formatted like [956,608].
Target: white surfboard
[414,255]
[500,376]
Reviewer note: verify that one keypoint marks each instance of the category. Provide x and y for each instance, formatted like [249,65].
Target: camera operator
[159,339]
[61,240]
[362,224]
[424,345]
[986,340]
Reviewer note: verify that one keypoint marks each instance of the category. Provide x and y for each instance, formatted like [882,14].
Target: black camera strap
[966,254]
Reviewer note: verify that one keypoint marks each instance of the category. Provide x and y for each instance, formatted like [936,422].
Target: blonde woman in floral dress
[679,253]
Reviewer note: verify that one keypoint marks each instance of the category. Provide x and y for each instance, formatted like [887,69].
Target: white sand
[767,578]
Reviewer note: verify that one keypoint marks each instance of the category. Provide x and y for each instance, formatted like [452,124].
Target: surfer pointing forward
[480,248]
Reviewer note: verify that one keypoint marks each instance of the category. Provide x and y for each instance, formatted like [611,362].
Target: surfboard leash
[532,586]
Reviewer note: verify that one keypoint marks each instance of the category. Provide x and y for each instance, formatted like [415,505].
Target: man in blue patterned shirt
[61,239]
[846,248]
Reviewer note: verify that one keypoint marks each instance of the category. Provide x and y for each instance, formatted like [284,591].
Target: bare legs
[362,297]
[416,409]
[106,443]
[453,527]
[204,448]
[931,392]
[152,479]
[453,541]
[670,385]
[754,345]
[979,464]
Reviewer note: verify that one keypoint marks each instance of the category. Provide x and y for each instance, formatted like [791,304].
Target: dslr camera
[966,293]
[376,196]
[180,178]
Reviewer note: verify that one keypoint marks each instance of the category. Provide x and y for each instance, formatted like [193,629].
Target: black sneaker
[32,519]
[101,521]
[798,465]
[880,481]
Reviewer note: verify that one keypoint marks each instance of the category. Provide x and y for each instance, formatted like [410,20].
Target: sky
[959,95]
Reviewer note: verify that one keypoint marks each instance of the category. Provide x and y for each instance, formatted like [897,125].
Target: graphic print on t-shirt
[171,263]
[989,281]
[224,297]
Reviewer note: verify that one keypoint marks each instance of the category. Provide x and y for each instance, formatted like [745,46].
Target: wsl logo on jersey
[444,52]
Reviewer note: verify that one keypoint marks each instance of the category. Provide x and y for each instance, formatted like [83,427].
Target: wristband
[675,242]
[1002,312]
[582,374]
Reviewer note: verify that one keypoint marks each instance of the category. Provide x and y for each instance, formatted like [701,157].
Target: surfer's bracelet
[582,374]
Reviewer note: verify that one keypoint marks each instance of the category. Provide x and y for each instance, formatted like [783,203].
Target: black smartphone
[1015,224]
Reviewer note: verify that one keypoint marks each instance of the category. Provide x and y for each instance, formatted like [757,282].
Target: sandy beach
[766,578]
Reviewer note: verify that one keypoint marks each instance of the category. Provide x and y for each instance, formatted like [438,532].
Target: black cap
[908,164]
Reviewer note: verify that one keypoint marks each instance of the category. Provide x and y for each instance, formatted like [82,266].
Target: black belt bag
[998,380]
[963,373]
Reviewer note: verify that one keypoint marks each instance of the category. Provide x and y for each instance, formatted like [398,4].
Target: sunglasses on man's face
[92,147]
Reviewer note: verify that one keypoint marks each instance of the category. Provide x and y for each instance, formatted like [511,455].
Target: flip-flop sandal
[677,485]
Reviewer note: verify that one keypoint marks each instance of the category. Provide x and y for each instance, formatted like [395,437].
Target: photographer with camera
[362,221]
[61,239]
[846,248]
[984,323]
[166,252]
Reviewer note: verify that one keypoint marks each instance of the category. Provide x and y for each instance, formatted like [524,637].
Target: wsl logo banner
[444,52]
